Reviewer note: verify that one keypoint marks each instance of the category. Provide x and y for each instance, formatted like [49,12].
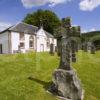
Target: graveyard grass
[15,71]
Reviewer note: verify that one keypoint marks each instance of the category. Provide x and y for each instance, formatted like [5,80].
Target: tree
[45,18]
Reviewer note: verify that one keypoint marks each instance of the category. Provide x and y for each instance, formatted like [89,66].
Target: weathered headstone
[92,49]
[19,49]
[52,49]
[85,47]
[65,80]
[59,46]
[65,55]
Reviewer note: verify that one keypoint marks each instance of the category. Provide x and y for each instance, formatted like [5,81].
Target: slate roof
[23,28]
[48,34]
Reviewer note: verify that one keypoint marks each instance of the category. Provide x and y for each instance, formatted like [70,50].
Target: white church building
[23,38]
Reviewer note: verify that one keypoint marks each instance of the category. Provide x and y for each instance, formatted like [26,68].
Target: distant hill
[90,34]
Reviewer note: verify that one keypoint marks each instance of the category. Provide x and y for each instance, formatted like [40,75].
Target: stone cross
[64,33]
[65,52]
[65,81]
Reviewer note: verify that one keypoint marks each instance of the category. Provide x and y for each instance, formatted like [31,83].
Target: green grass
[88,69]
[15,71]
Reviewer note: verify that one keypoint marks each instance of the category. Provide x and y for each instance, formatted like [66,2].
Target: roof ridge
[6,29]
[48,33]
[28,24]
[24,24]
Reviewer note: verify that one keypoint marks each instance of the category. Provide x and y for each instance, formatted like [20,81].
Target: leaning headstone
[67,85]
[52,49]
[65,81]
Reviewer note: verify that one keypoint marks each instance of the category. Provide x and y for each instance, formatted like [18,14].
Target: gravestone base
[67,85]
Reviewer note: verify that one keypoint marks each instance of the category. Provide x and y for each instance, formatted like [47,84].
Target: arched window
[31,42]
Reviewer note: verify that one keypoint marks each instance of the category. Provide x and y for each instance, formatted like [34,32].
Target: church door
[41,48]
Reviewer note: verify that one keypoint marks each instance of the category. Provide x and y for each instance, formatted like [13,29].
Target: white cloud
[32,3]
[4,25]
[89,5]
[88,30]
[55,2]
[93,29]
[84,31]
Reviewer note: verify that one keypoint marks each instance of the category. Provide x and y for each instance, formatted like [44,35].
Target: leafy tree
[59,31]
[46,18]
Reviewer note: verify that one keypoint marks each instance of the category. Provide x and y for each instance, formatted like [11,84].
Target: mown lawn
[88,69]
[15,71]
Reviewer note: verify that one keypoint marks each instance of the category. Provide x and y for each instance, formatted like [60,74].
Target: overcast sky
[85,13]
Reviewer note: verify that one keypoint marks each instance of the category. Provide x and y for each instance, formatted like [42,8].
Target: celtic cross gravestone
[65,81]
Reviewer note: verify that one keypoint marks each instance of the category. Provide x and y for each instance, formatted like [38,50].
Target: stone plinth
[66,84]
